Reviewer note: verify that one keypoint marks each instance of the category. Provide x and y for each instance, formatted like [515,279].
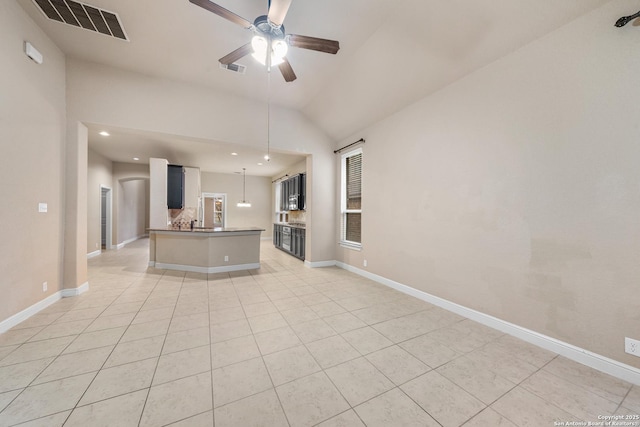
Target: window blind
[354,181]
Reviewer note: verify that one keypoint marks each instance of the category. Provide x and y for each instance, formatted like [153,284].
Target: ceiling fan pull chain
[269,110]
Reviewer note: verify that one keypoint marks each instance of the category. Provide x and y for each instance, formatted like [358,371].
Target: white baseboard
[126,242]
[319,264]
[580,355]
[194,269]
[74,292]
[12,321]
[94,254]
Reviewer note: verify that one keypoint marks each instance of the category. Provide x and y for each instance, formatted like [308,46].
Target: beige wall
[32,131]
[132,209]
[516,191]
[180,109]
[99,173]
[131,199]
[258,193]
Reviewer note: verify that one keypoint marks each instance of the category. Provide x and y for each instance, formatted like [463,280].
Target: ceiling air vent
[83,16]
[236,68]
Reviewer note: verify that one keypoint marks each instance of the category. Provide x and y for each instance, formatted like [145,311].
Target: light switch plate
[42,207]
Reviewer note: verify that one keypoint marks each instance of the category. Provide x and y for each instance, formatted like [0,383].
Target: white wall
[516,190]
[258,193]
[158,211]
[32,132]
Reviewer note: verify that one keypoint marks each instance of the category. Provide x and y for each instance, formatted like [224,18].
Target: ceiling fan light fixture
[280,48]
[260,47]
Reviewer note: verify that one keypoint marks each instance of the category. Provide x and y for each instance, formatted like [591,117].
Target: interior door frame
[109,217]
[223,196]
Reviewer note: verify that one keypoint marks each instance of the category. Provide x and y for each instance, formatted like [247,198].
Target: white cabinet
[191,187]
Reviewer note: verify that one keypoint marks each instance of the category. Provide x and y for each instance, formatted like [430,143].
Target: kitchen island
[205,250]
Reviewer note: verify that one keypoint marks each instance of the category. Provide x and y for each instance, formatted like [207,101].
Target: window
[351,199]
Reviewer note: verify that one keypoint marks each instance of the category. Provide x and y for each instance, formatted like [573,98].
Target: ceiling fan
[269,35]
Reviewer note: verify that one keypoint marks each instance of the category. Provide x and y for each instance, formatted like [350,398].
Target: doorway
[105,217]
[214,210]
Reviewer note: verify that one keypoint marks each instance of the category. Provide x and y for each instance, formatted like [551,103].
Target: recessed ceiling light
[136,158]
[234,154]
[104,133]
[259,164]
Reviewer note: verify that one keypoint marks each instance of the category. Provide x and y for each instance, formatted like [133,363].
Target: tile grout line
[50,363]
[161,348]
[114,347]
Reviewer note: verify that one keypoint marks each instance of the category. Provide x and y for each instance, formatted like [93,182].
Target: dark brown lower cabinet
[297,240]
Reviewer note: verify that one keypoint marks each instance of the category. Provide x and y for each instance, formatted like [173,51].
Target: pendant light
[244,203]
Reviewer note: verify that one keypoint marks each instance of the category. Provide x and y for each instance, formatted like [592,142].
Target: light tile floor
[282,346]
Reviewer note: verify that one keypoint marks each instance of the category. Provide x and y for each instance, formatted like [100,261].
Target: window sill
[351,245]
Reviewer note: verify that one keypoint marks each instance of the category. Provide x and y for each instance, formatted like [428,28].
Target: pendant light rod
[244,203]
[244,184]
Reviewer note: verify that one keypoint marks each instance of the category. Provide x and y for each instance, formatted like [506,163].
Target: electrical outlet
[226,258]
[96,245]
[44,286]
[632,346]
[364,263]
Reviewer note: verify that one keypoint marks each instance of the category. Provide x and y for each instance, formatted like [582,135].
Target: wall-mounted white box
[33,53]
[42,207]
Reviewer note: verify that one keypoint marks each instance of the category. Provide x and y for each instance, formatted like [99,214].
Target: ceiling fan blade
[278,10]
[313,43]
[237,54]
[287,71]
[222,12]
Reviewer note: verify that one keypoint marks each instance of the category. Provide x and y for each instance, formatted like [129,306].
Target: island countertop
[207,230]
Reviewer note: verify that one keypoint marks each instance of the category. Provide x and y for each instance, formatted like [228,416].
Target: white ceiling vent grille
[83,16]
[236,68]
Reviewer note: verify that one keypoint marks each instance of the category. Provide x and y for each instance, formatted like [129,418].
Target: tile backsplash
[297,216]
[181,218]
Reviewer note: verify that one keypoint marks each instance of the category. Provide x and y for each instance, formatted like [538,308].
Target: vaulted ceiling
[392,54]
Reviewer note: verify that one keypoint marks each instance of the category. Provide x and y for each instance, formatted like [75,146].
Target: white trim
[351,245]
[580,355]
[94,254]
[222,196]
[195,269]
[126,242]
[319,264]
[20,317]
[74,292]
[109,218]
[152,263]
[343,201]
[17,318]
